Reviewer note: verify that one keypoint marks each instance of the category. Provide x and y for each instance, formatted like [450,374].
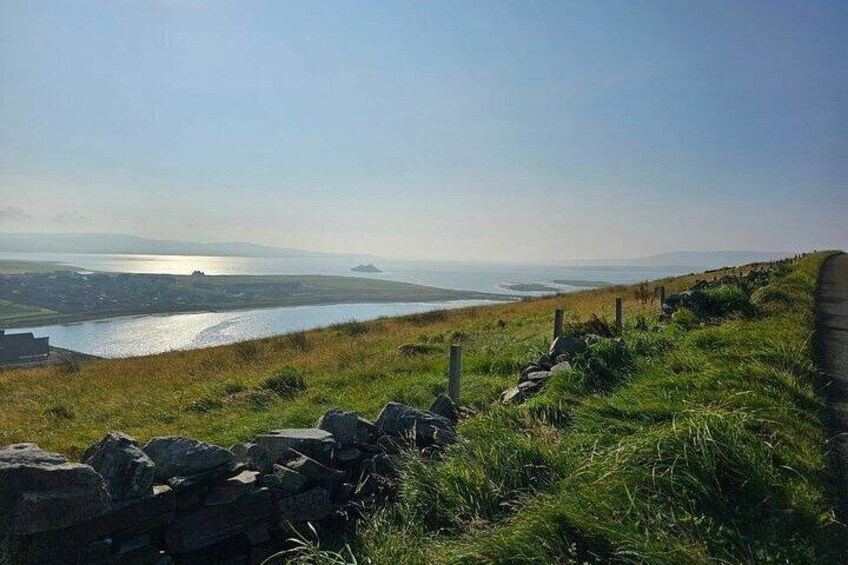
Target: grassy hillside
[10,267]
[224,394]
[695,444]
[700,442]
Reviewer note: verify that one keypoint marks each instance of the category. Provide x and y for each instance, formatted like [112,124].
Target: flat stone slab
[177,456]
[312,442]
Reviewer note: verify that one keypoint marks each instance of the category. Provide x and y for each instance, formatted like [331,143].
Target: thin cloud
[69,218]
[14,214]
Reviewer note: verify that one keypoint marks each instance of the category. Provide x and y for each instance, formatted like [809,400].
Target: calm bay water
[142,335]
[145,335]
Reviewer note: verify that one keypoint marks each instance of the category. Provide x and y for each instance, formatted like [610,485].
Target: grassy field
[696,444]
[10,267]
[700,442]
[225,394]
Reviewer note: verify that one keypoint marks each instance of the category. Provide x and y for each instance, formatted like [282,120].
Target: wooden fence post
[618,315]
[455,371]
[558,317]
[662,296]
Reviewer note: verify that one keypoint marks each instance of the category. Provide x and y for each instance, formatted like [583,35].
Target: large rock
[445,406]
[177,456]
[568,345]
[41,491]
[341,424]
[315,443]
[128,472]
[401,421]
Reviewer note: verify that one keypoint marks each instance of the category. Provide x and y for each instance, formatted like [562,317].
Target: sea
[150,334]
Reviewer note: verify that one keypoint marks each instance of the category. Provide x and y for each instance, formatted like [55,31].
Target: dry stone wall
[181,500]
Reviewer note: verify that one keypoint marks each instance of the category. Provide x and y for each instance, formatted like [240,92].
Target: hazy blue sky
[484,130]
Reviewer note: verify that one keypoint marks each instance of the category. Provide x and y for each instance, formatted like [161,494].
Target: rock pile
[178,499]
[695,299]
[564,351]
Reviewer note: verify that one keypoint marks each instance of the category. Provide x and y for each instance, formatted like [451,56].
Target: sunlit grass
[707,448]
[360,366]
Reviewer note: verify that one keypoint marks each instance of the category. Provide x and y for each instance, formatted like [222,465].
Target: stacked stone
[694,299]
[533,378]
[184,499]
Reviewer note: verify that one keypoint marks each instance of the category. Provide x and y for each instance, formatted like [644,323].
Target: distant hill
[696,259]
[134,245]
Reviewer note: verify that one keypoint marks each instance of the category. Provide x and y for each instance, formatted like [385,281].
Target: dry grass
[361,370]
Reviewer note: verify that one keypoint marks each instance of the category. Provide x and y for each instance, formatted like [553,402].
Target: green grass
[700,441]
[358,366]
[695,445]
[10,310]
[12,267]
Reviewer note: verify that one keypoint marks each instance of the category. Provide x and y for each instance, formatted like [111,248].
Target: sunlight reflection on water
[144,335]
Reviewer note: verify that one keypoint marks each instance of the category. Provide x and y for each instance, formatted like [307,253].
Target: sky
[506,131]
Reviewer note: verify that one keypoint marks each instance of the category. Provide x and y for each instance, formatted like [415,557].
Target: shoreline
[80,318]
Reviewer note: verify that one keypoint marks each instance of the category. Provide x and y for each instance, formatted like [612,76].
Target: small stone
[239,451]
[348,456]
[313,470]
[545,361]
[270,480]
[592,339]
[254,456]
[289,480]
[520,393]
[204,478]
[532,369]
[563,367]
[232,488]
[540,376]
[445,406]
